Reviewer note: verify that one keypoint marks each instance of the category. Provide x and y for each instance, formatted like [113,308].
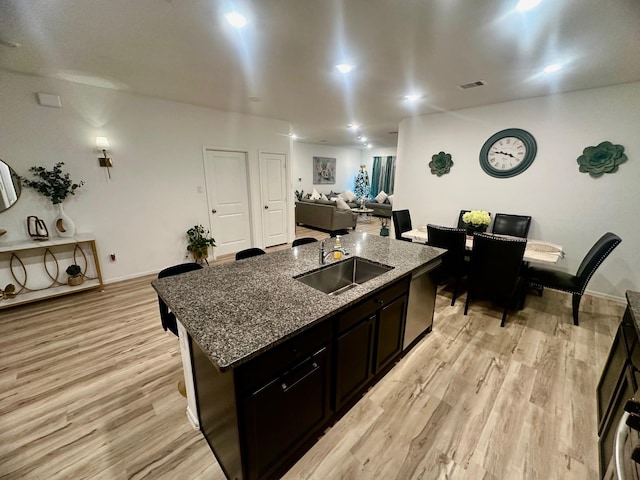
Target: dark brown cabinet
[262,416]
[618,382]
[283,414]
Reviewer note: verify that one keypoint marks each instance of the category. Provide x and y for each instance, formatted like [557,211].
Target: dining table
[536,250]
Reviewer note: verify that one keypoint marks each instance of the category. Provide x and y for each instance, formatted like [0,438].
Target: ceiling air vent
[479,83]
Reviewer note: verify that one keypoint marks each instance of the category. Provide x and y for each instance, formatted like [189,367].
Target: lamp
[103,143]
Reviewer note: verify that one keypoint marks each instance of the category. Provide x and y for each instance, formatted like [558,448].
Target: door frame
[250,200]
[287,193]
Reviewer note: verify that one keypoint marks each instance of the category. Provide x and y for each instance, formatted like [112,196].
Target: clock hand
[507,154]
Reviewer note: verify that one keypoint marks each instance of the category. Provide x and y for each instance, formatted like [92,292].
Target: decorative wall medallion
[440,163]
[601,159]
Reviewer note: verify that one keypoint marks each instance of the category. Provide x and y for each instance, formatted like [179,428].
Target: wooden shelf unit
[17,262]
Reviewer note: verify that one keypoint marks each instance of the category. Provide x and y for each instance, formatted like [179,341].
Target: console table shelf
[20,262]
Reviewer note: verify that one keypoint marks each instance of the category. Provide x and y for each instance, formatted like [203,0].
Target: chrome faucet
[322,257]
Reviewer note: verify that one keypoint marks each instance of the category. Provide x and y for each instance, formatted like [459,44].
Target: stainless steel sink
[339,277]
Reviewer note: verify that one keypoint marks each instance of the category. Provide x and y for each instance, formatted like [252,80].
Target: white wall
[157,190]
[568,207]
[348,162]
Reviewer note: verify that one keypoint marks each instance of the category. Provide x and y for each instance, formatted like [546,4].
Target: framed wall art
[324,170]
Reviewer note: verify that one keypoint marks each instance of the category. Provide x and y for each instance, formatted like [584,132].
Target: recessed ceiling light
[254,99]
[7,43]
[524,5]
[353,126]
[235,19]
[554,67]
[293,135]
[344,67]
[368,146]
[413,97]
[364,139]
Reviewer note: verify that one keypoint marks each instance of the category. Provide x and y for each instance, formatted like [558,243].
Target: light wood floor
[88,391]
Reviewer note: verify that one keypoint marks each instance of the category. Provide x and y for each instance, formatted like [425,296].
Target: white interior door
[228,198]
[274,198]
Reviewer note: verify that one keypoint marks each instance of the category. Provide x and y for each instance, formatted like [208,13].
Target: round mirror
[10,187]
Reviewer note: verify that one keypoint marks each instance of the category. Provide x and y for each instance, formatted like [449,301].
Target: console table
[37,268]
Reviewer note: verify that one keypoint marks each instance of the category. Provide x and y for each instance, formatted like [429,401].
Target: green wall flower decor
[441,163]
[601,159]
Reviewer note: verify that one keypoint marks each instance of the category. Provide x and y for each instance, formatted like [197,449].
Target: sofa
[379,209]
[324,214]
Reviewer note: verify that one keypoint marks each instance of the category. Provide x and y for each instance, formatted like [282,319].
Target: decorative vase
[384,231]
[75,281]
[471,228]
[63,224]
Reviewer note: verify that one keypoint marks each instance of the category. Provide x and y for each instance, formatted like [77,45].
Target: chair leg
[504,315]
[466,304]
[576,306]
[455,291]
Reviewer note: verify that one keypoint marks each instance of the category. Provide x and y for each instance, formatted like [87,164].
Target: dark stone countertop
[237,310]
[633,303]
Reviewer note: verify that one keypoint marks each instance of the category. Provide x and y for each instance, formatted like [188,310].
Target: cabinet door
[354,354]
[611,377]
[389,332]
[283,414]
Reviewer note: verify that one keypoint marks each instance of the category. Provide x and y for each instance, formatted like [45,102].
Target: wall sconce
[103,143]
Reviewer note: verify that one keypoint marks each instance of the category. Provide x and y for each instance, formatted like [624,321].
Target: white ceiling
[183,50]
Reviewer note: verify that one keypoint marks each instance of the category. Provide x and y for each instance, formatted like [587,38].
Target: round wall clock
[508,153]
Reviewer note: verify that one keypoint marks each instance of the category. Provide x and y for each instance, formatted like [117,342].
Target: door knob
[213,211]
[266,207]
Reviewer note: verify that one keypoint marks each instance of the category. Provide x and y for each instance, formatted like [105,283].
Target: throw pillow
[381,197]
[342,205]
[315,195]
[390,198]
[348,195]
[333,199]
[323,197]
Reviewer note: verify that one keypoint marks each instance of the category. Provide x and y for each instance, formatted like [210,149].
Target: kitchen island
[276,361]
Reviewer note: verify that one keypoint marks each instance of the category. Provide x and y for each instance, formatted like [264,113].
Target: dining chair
[453,264]
[514,225]
[249,252]
[303,241]
[167,318]
[401,223]
[496,264]
[539,278]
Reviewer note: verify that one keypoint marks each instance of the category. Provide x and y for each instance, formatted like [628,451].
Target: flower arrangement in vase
[476,221]
[56,185]
[75,275]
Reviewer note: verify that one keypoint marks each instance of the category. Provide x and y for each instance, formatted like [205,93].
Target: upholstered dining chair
[453,264]
[514,225]
[249,252]
[303,241]
[401,223]
[496,264]
[167,318]
[539,278]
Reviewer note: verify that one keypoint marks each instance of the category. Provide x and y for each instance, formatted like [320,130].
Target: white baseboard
[606,296]
[193,419]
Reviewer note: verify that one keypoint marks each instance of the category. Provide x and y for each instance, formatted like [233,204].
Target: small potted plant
[476,221]
[9,291]
[384,227]
[199,240]
[75,275]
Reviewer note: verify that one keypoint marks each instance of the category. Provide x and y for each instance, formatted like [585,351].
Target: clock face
[508,153]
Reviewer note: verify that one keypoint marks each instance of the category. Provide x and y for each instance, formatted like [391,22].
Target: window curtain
[383,175]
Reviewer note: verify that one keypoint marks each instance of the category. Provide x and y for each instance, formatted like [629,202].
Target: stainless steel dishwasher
[422,298]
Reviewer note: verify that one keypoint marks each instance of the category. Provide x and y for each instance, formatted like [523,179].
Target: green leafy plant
[74,270]
[9,291]
[477,218]
[53,184]
[199,240]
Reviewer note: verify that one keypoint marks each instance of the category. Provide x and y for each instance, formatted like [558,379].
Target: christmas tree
[362,188]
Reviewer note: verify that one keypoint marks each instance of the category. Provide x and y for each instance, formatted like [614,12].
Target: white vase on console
[63,224]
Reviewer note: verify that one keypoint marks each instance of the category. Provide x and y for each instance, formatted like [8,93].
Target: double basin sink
[339,277]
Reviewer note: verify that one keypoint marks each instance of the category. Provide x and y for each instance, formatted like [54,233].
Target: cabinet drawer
[375,302]
[282,357]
